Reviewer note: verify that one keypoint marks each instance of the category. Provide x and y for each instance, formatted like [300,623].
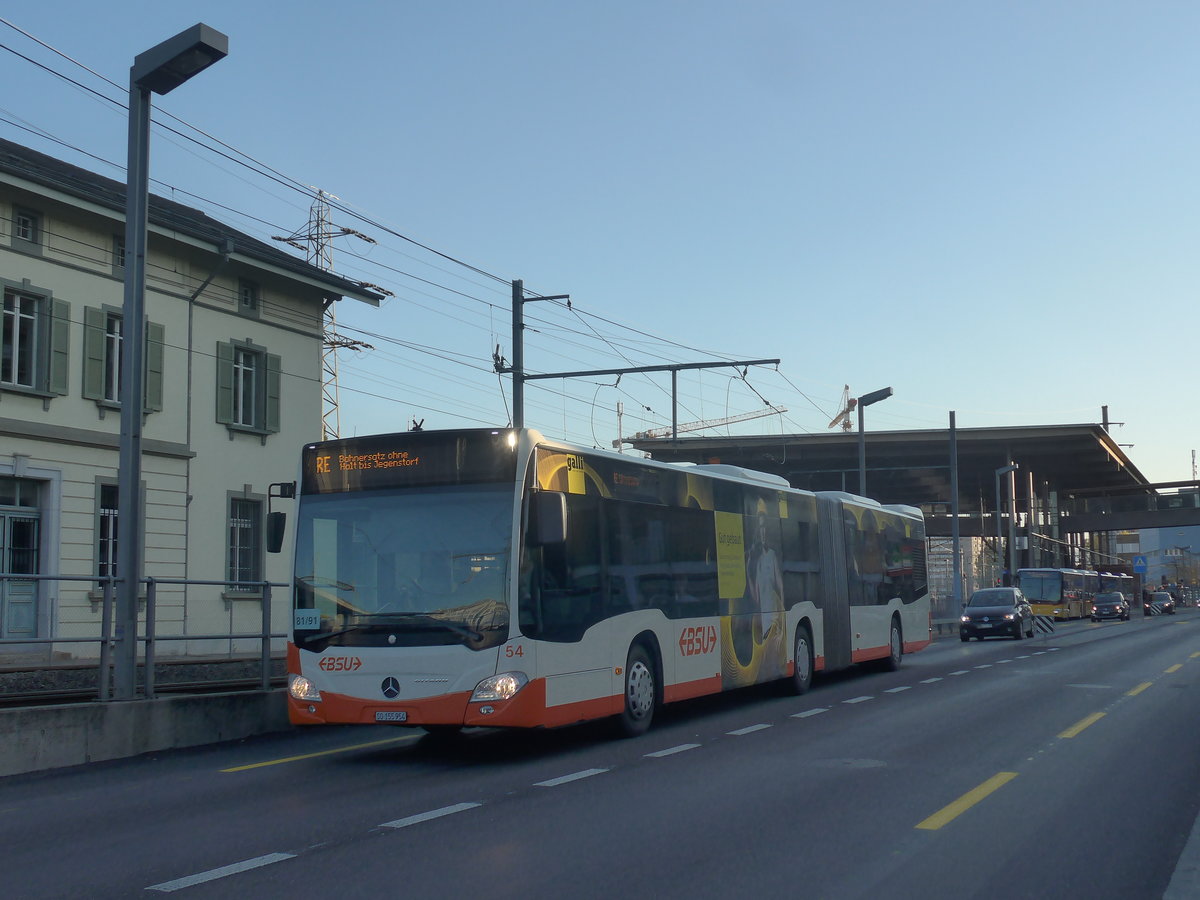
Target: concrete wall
[50,737]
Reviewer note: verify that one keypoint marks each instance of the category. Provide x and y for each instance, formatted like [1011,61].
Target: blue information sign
[1139,565]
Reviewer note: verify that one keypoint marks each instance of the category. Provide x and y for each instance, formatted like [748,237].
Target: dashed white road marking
[810,712]
[897,690]
[962,672]
[432,814]
[858,699]
[930,680]
[213,874]
[567,779]
[748,729]
[670,751]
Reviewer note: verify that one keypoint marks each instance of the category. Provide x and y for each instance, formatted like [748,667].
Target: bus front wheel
[641,692]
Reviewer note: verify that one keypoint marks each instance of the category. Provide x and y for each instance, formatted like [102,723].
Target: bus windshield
[1041,587]
[413,567]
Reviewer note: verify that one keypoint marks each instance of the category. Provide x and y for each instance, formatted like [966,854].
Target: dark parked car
[996,612]
[1110,605]
[1160,603]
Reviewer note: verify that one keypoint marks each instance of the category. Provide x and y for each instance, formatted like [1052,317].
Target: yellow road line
[1174,668]
[949,813]
[1081,724]
[1194,655]
[288,759]
[1137,690]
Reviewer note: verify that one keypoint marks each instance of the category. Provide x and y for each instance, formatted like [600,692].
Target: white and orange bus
[492,577]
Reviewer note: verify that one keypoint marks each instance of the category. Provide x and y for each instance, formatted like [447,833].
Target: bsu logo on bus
[695,640]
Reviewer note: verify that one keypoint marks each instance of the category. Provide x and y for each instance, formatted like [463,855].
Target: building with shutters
[233,390]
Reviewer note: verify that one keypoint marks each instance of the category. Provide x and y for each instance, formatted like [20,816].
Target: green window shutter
[224,383]
[153,401]
[93,353]
[58,367]
[271,418]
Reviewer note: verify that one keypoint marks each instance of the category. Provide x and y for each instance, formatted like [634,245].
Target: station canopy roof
[913,467]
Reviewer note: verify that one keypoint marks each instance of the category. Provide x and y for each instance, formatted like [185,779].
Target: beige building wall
[193,464]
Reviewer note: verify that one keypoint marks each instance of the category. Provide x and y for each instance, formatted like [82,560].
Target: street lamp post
[866,400]
[1003,470]
[160,69]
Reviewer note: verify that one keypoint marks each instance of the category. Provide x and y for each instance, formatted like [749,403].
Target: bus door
[835,592]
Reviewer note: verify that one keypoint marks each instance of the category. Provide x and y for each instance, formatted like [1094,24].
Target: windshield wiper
[318,581]
[421,620]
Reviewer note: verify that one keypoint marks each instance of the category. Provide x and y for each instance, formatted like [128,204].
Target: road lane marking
[810,712]
[432,814]
[897,690]
[858,699]
[567,779]
[1194,655]
[1137,690]
[961,672]
[213,874]
[984,666]
[1083,723]
[670,751]
[952,811]
[1174,668]
[289,759]
[930,680]
[749,729]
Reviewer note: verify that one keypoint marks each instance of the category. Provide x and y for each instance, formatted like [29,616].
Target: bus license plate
[391,715]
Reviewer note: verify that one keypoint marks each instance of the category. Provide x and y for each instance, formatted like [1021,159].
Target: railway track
[63,696]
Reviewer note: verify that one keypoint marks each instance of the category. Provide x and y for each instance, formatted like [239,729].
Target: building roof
[55,174]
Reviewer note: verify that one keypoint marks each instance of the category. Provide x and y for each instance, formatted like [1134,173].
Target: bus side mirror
[276,525]
[549,514]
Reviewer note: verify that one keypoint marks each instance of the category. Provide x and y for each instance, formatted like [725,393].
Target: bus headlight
[301,688]
[500,687]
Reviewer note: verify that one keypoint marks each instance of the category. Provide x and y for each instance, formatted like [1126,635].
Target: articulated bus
[492,577]
[1061,593]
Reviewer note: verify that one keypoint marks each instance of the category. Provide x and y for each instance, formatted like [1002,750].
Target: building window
[34,335]
[118,257]
[103,355]
[245,545]
[247,297]
[20,330]
[245,379]
[26,229]
[112,357]
[106,531]
[248,385]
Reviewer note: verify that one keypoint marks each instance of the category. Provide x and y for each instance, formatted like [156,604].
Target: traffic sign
[1139,565]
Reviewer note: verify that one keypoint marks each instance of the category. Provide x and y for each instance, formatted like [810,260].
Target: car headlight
[301,688]
[1010,616]
[966,619]
[499,687]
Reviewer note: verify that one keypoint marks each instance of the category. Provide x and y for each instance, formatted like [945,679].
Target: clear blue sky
[990,207]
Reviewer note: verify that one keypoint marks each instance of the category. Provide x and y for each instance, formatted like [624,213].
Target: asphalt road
[1060,766]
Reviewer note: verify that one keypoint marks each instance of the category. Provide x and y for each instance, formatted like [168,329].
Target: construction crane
[667,430]
[848,405]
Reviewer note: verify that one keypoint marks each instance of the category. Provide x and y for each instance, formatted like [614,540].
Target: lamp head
[163,68]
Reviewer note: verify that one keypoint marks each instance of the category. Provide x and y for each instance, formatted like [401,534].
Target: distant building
[233,389]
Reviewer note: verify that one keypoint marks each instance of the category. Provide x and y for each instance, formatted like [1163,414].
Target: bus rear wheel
[891,662]
[641,692]
[803,674]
